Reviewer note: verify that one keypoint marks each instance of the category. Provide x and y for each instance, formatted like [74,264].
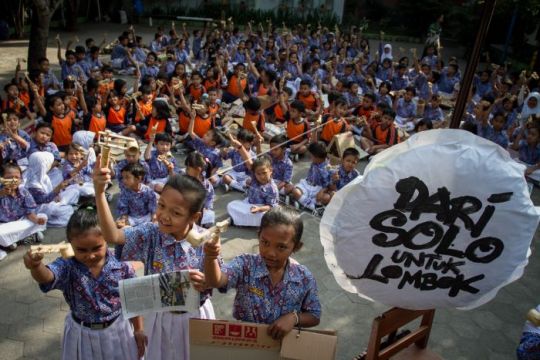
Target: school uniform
[527,154]
[55,174]
[13,151]
[345,177]
[212,154]
[208,216]
[74,70]
[14,222]
[94,328]
[333,127]
[404,111]
[138,206]
[123,163]
[282,170]
[239,171]
[40,186]
[81,182]
[318,178]
[159,172]
[116,119]
[168,333]
[433,114]
[62,126]
[257,195]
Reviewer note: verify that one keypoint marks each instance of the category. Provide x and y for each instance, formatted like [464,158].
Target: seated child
[383,136]
[254,120]
[132,155]
[199,168]
[208,146]
[347,170]
[41,141]
[282,166]
[94,328]
[318,178]
[95,120]
[494,131]
[18,218]
[61,122]
[237,176]
[311,100]
[160,161]
[273,268]
[434,113]
[405,108]
[335,123]
[54,201]
[528,145]
[76,170]
[157,121]
[297,130]
[14,142]
[262,193]
[137,202]
[116,115]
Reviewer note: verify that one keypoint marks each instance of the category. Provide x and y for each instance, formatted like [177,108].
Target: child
[14,142]
[161,246]
[160,161]
[347,170]
[529,345]
[137,202]
[54,201]
[18,218]
[95,121]
[208,145]
[62,124]
[157,122]
[199,168]
[254,118]
[336,124]
[383,136]
[405,108]
[529,148]
[95,327]
[41,141]
[262,194]
[237,176]
[297,130]
[116,115]
[318,178]
[282,166]
[132,155]
[494,131]
[77,171]
[257,276]
[434,113]
[311,100]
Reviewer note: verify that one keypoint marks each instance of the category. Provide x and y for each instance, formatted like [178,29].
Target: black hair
[422,122]
[351,152]
[10,165]
[88,41]
[389,112]
[70,52]
[371,96]
[42,59]
[196,159]
[191,189]
[469,126]
[94,49]
[44,124]
[163,137]
[245,136]
[318,150]
[8,85]
[288,90]
[340,101]
[261,161]
[305,82]
[333,96]
[284,215]
[162,109]
[68,83]
[91,84]
[118,85]
[411,89]
[106,68]
[196,73]
[298,105]
[279,139]
[252,104]
[85,218]
[80,49]
[135,169]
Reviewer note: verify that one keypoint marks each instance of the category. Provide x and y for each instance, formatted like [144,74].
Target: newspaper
[157,293]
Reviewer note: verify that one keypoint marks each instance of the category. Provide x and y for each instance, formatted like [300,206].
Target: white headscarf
[527,111]
[86,140]
[387,55]
[39,163]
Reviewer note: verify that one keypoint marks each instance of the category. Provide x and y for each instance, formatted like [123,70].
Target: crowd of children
[259,99]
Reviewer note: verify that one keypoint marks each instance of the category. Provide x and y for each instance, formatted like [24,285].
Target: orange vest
[161,125]
[310,102]
[263,90]
[202,125]
[25,97]
[332,128]
[196,93]
[388,136]
[294,130]
[278,113]
[183,122]
[62,129]
[116,117]
[258,119]
[233,89]
[208,84]
[97,124]
[74,103]
[146,109]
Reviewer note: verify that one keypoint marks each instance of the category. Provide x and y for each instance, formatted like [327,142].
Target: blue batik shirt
[282,168]
[12,208]
[12,150]
[319,175]
[262,194]
[136,203]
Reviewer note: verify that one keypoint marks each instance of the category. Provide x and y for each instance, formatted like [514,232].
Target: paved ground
[31,323]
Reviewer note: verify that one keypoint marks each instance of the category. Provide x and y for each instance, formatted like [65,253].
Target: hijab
[39,163]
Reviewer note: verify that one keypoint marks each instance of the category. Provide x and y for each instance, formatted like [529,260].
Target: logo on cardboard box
[218,329]
[235,330]
[250,332]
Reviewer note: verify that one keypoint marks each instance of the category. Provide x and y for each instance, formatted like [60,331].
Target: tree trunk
[39,32]
[73,9]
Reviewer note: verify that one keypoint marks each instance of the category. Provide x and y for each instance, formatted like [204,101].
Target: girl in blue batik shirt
[14,142]
[94,328]
[271,287]
[200,168]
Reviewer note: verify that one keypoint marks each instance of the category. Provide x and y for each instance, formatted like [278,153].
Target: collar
[291,273]
[169,240]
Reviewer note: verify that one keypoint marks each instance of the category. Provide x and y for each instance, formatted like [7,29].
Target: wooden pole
[461,102]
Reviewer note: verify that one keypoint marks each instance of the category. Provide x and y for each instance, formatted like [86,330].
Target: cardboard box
[248,341]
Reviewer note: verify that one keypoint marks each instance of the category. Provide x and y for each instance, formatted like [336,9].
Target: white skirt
[168,333]
[14,231]
[208,217]
[309,194]
[402,123]
[70,195]
[113,343]
[240,178]
[86,189]
[240,212]
[55,174]
[57,213]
